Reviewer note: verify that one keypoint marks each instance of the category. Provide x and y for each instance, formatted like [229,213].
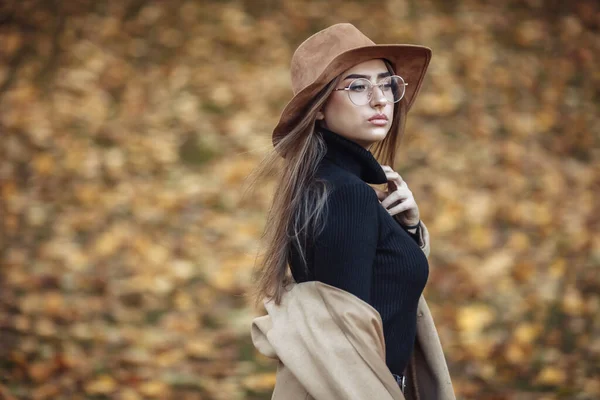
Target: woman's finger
[400,208]
[391,198]
[393,175]
[397,195]
[395,178]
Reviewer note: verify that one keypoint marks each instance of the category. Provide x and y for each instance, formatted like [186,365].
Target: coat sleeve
[345,250]
[421,237]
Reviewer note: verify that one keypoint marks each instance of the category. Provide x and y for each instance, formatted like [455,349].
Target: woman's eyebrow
[357,76]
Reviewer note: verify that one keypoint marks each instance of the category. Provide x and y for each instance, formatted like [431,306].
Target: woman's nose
[377,97]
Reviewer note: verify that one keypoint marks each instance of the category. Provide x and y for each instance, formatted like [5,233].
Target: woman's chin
[378,133]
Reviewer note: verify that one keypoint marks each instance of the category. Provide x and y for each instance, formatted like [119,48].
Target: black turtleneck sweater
[363,249]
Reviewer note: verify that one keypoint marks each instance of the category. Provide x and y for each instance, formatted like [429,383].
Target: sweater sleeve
[345,250]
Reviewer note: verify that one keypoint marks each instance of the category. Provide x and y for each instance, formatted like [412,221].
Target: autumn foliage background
[127,131]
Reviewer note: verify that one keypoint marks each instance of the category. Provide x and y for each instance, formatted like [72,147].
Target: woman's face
[364,124]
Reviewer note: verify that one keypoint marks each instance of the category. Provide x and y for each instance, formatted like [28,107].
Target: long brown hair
[299,200]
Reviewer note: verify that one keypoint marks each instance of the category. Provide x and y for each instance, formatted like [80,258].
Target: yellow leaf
[153,389]
[481,237]
[169,358]
[201,348]
[496,265]
[54,304]
[260,382]
[515,354]
[526,333]
[106,244]
[102,385]
[45,327]
[224,279]
[129,394]
[519,241]
[183,301]
[572,302]
[222,95]
[472,319]
[558,268]
[551,376]
[40,371]
[44,164]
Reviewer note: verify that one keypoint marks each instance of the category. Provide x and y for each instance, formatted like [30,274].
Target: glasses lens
[393,88]
[360,91]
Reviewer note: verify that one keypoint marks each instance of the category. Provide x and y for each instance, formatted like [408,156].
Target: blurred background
[128,129]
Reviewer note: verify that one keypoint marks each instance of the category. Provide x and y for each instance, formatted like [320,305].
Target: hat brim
[409,61]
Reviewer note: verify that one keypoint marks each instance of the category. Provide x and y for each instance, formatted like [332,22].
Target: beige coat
[330,346]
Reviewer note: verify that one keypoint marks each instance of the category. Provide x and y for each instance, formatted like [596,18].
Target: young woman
[327,223]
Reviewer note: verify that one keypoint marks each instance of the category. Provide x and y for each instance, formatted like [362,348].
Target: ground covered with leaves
[127,131]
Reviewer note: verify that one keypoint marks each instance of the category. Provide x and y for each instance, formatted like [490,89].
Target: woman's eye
[358,88]
[386,87]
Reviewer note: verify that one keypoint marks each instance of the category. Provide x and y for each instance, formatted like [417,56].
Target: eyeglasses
[360,91]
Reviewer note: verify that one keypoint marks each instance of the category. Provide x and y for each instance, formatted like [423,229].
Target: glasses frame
[370,95]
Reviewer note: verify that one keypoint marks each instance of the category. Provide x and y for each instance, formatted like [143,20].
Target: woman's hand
[398,199]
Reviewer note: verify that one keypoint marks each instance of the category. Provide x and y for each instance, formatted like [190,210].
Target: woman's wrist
[412,227]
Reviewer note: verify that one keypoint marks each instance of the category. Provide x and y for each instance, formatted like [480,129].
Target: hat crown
[314,54]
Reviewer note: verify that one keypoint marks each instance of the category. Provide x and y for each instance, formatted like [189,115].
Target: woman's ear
[320,115]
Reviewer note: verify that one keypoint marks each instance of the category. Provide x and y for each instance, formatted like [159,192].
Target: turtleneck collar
[352,157]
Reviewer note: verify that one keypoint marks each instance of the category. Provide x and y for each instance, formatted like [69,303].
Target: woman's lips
[379,120]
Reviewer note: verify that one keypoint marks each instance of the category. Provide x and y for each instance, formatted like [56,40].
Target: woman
[327,224]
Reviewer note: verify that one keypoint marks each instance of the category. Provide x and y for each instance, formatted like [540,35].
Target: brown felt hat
[329,52]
